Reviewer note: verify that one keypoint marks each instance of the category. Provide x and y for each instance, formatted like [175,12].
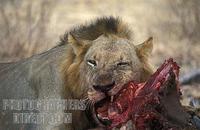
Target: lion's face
[100,59]
[109,63]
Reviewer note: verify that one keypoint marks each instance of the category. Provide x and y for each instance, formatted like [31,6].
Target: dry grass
[30,27]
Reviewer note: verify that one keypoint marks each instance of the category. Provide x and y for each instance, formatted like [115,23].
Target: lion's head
[111,62]
[102,58]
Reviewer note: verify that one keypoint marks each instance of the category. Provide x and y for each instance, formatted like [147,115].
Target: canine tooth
[112,98]
[105,118]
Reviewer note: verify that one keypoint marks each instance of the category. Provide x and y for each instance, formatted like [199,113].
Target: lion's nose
[104,82]
[104,88]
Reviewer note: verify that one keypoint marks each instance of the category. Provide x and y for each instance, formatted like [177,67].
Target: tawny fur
[59,72]
[71,62]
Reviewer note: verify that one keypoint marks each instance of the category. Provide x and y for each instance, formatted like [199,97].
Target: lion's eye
[123,64]
[92,63]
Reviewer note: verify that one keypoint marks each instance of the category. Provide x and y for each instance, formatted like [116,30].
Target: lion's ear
[75,43]
[145,49]
[78,45]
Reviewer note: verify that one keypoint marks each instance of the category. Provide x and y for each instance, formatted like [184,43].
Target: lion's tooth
[105,118]
[112,98]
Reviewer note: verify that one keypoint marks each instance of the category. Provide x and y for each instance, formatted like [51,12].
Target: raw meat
[153,105]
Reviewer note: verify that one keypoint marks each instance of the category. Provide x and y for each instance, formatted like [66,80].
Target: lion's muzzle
[104,83]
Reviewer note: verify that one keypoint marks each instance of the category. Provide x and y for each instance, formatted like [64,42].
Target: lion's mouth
[100,107]
[104,108]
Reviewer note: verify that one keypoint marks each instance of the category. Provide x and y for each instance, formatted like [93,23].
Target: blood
[142,103]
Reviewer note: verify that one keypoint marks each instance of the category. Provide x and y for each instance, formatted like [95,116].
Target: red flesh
[137,102]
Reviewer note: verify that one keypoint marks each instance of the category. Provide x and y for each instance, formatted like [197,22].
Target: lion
[91,62]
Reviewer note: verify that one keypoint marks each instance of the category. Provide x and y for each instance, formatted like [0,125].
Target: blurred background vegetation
[29,27]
